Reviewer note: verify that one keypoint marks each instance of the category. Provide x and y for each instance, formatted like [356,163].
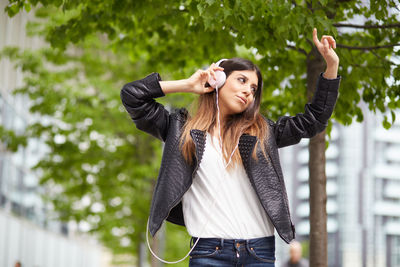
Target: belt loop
[248,244]
[222,243]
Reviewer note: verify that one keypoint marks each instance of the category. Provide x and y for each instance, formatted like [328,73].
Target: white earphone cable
[219,131]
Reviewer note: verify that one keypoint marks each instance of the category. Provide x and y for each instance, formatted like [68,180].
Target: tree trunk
[156,249]
[142,255]
[317,179]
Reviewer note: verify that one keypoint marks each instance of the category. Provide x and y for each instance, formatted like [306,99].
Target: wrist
[332,64]
[188,85]
[331,71]
[176,86]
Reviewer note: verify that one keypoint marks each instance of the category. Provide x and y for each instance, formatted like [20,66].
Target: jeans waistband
[268,242]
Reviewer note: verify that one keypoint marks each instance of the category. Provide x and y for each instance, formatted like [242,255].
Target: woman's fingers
[203,76]
[326,45]
[200,77]
[315,38]
[319,44]
[212,70]
[330,39]
[213,74]
[206,75]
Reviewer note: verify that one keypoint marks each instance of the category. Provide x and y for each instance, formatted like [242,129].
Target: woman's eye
[243,80]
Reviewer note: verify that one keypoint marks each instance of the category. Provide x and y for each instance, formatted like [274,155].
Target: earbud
[220,77]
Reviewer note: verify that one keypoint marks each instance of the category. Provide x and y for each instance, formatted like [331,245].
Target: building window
[395,258]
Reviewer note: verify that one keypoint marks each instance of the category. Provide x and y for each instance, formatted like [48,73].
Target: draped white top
[236,213]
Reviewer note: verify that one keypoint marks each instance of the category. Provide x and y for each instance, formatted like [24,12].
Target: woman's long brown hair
[249,121]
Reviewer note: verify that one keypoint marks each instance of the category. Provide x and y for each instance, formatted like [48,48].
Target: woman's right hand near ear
[194,84]
[198,80]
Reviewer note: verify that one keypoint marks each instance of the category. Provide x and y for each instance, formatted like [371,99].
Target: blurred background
[76,176]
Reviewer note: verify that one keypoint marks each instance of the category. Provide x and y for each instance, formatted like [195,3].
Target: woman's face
[238,92]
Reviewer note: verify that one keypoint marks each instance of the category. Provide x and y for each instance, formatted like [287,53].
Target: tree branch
[366,47]
[369,67]
[394,5]
[301,50]
[395,25]
[383,59]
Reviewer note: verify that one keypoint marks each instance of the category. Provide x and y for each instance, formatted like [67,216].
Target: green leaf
[393,116]
[210,2]
[310,21]
[386,124]
[27,7]
[323,2]
[12,10]
[200,8]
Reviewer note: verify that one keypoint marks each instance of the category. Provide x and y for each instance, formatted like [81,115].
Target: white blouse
[236,213]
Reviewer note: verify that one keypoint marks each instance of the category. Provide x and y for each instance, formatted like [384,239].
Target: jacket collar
[246,144]
[199,139]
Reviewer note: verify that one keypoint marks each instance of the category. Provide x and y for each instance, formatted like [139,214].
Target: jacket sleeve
[289,130]
[148,115]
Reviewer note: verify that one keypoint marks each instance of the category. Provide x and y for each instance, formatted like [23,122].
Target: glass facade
[395,253]
[19,191]
[26,232]
[363,189]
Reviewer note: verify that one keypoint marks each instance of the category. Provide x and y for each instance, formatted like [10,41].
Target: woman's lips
[242,99]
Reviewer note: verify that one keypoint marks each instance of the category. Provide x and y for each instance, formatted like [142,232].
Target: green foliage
[103,165]
[96,46]
[10,140]
[305,248]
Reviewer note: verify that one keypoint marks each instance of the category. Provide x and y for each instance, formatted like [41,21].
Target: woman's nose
[247,90]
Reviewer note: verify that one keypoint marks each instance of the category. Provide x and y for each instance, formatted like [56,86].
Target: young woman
[220,174]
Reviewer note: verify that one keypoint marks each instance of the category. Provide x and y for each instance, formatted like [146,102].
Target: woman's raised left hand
[325,47]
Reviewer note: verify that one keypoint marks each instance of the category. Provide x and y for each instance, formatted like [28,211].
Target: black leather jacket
[175,175]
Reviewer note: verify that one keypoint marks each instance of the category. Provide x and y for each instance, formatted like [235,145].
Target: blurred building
[363,189]
[26,232]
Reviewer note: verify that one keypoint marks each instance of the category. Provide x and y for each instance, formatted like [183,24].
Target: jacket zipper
[186,189]
[180,197]
[259,198]
[285,198]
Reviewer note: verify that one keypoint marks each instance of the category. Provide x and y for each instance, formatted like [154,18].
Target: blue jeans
[233,252]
